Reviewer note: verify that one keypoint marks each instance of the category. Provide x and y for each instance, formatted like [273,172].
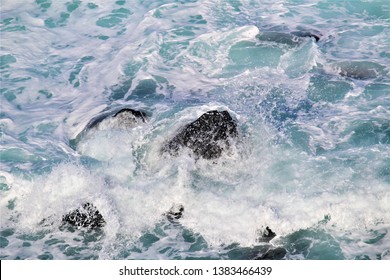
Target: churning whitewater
[195,129]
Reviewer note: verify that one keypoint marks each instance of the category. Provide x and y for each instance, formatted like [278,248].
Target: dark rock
[207,136]
[286,38]
[125,117]
[85,216]
[130,112]
[273,254]
[309,34]
[267,235]
[280,38]
[360,70]
[175,213]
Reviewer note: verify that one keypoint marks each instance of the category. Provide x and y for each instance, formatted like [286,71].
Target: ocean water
[313,111]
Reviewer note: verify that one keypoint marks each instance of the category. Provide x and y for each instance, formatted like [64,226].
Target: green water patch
[46,93]
[371,10]
[170,50]
[53,66]
[114,19]
[31,236]
[11,94]
[20,79]
[45,72]
[313,244]
[145,88]
[26,244]
[46,256]
[237,252]
[198,243]
[74,75]
[235,5]
[11,25]
[92,6]
[384,171]
[148,239]
[198,19]
[58,22]
[146,91]
[3,242]
[377,236]
[300,61]
[72,6]
[184,31]
[369,132]
[376,90]
[321,88]
[75,252]
[245,55]
[6,60]
[119,91]
[43,4]
[109,21]
[17,155]
[103,37]
[53,241]
[385,54]
[7,232]
[11,204]
[280,111]
[4,185]
[47,128]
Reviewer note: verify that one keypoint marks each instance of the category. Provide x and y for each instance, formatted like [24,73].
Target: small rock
[85,216]
[175,213]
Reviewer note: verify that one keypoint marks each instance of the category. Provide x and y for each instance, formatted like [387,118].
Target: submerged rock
[360,70]
[273,254]
[286,38]
[86,215]
[280,38]
[124,118]
[207,136]
[311,34]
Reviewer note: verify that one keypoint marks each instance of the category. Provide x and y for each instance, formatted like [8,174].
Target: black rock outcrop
[207,136]
[85,216]
[267,235]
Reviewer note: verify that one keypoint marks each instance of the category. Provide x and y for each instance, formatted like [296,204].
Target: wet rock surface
[207,136]
[87,215]
[175,213]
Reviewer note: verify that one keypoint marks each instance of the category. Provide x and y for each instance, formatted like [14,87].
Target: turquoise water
[312,163]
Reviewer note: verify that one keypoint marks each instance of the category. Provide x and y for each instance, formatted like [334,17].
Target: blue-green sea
[307,82]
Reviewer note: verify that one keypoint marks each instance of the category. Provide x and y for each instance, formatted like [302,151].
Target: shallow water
[312,161]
